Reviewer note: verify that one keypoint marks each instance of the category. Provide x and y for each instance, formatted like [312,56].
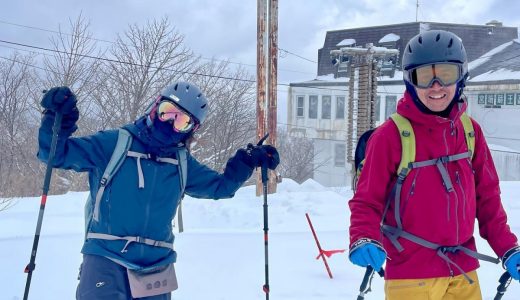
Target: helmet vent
[187,88]
[198,96]
[450,43]
[409,49]
[176,86]
[420,40]
[438,37]
[203,106]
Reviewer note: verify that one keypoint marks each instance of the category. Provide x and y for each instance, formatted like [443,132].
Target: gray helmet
[189,97]
[435,46]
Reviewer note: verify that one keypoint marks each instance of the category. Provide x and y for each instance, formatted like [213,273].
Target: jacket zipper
[410,193]
[446,166]
[148,203]
[463,195]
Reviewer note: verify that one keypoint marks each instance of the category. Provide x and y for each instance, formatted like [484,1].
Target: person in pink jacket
[422,224]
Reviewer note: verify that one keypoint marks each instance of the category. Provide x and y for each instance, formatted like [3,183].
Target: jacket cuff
[364,241]
[508,254]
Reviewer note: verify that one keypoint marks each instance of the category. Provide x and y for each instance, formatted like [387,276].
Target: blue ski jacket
[126,209]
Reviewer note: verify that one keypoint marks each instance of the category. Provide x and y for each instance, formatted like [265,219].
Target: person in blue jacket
[128,250]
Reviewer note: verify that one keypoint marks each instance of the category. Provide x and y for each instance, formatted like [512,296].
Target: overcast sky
[226,29]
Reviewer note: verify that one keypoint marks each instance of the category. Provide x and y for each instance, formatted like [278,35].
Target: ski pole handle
[264,163]
[365,287]
[504,281]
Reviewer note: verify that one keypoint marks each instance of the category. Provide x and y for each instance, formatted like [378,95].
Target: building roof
[500,64]
[478,39]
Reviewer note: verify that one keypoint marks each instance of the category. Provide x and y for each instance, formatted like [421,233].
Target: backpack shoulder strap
[183,167]
[407,142]
[469,133]
[124,141]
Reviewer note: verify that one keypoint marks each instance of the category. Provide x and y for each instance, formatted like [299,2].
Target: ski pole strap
[365,286]
[129,239]
[504,282]
[394,233]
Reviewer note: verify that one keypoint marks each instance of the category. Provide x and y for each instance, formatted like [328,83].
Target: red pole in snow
[319,246]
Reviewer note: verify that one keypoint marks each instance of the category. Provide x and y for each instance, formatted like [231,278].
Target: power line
[112,42]
[294,54]
[206,58]
[161,68]
[125,62]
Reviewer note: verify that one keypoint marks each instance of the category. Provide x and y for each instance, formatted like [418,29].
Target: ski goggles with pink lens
[181,121]
[444,73]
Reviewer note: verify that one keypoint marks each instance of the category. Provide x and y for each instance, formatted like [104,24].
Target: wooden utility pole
[267,72]
[364,64]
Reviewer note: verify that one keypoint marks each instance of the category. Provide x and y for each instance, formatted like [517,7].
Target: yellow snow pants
[442,288]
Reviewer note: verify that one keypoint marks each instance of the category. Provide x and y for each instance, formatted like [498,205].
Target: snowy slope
[221,253]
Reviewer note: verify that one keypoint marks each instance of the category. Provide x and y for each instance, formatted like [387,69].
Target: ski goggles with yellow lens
[181,121]
[444,73]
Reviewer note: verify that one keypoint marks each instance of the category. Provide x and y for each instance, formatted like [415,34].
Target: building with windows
[318,108]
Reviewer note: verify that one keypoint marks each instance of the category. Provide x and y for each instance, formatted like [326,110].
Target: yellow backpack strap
[407,143]
[469,133]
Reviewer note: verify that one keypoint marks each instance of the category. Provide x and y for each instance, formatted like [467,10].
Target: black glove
[59,99]
[263,155]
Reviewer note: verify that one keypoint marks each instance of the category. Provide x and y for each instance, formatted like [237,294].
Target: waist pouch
[146,284]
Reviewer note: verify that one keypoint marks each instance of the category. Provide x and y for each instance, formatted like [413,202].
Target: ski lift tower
[363,66]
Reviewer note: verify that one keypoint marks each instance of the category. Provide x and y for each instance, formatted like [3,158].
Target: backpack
[394,233]
[407,142]
[121,152]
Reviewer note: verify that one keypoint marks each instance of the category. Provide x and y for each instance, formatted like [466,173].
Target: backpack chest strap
[138,157]
[439,163]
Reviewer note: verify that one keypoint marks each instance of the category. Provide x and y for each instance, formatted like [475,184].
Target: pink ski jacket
[427,209]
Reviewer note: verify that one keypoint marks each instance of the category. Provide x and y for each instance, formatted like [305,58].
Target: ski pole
[366,284]
[266,227]
[46,183]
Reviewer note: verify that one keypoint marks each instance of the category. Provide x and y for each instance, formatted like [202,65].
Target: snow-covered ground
[221,252]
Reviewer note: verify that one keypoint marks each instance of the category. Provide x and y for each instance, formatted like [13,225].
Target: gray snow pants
[103,279]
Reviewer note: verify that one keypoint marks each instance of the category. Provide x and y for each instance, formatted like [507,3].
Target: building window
[340,107]
[313,107]
[299,106]
[339,155]
[481,99]
[500,99]
[325,107]
[490,99]
[391,106]
[510,99]
[517,99]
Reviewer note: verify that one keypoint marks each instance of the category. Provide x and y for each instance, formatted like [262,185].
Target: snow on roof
[398,76]
[346,42]
[501,74]
[391,37]
[484,58]
[494,147]
[424,27]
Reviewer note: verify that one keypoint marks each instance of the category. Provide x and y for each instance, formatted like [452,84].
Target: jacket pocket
[406,289]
